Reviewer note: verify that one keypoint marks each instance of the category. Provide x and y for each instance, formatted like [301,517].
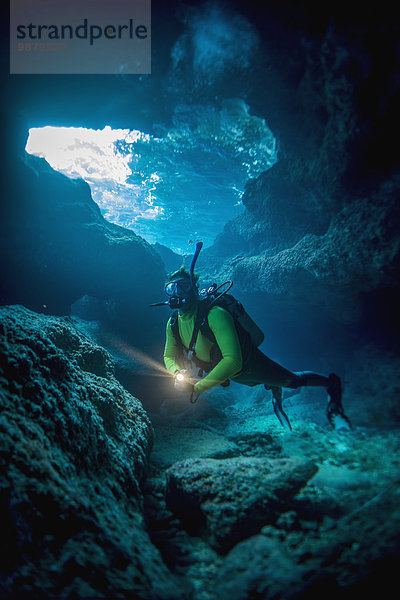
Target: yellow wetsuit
[223,328]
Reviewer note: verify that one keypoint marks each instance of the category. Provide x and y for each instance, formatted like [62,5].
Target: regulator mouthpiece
[176,302]
[172,302]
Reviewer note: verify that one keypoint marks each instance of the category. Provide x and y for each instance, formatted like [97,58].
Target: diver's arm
[171,351]
[223,327]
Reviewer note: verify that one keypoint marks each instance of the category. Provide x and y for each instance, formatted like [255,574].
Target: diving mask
[178,287]
[180,292]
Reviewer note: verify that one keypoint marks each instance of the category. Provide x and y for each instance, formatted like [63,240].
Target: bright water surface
[185,183]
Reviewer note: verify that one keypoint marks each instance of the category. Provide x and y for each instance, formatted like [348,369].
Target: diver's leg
[275,377]
[333,385]
[308,378]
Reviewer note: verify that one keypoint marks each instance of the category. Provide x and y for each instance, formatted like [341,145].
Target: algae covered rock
[73,452]
[228,500]
[261,567]
[358,253]
[346,558]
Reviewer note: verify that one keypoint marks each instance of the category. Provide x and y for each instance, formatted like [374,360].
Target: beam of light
[137,356]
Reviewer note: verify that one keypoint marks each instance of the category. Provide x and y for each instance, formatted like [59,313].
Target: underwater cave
[267,132]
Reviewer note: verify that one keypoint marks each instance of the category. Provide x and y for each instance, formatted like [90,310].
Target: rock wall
[359,252]
[56,247]
[321,228]
[323,224]
[73,455]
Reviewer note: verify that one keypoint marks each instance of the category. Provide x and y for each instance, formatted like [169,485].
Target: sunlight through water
[184,182]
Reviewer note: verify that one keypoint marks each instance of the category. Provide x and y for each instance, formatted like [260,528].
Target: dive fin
[277,404]
[334,410]
[340,422]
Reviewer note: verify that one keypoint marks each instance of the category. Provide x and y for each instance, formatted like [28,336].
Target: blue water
[186,180]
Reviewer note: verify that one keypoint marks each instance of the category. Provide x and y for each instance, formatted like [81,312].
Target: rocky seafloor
[101,500]
[322,506]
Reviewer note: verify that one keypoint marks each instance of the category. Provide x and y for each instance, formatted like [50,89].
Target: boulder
[228,500]
[344,560]
[261,567]
[73,454]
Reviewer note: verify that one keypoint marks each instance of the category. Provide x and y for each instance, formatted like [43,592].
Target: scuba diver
[211,333]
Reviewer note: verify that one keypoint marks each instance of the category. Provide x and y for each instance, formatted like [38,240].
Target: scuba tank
[234,308]
[239,314]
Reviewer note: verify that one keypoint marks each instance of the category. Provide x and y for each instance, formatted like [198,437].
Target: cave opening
[181,182]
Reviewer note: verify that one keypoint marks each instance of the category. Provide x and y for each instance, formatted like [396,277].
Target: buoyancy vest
[249,334]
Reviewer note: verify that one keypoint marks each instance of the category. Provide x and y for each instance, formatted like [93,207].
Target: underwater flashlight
[182,382]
